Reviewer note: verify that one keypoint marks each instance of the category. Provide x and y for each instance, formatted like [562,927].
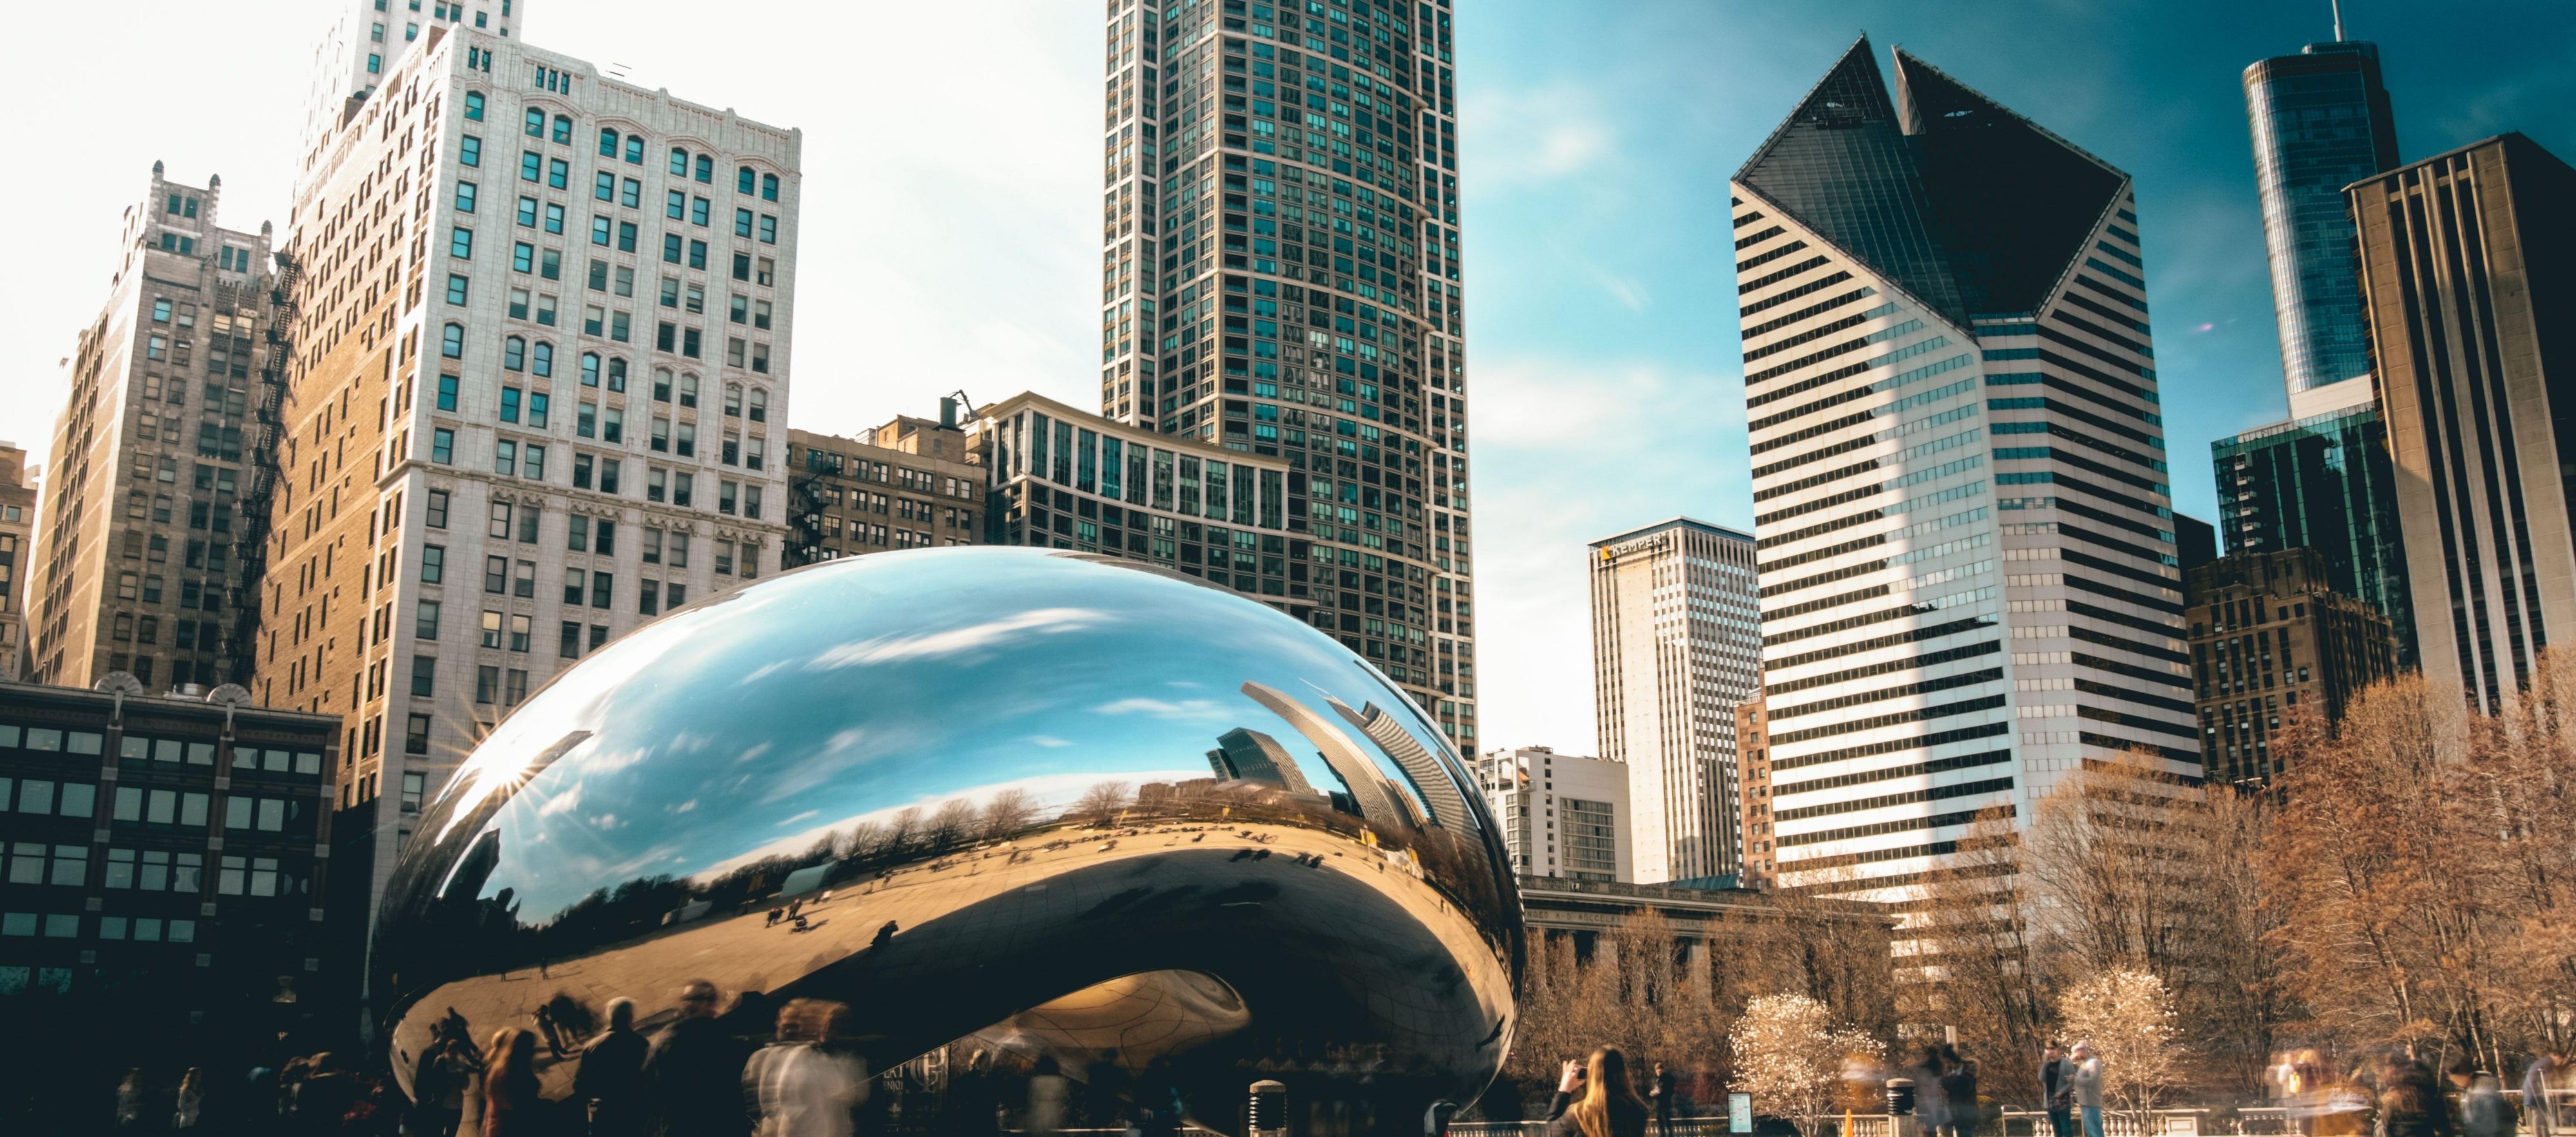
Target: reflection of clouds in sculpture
[1045,770]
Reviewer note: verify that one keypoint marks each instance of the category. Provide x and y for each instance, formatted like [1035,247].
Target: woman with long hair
[510,1102]
[1595,1099]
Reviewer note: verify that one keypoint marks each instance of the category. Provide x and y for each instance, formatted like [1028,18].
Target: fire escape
[805,505]
[260,452]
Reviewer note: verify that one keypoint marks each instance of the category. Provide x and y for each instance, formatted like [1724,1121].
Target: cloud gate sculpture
[1009,806]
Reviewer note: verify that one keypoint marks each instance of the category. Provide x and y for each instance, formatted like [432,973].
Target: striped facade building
[1969,578]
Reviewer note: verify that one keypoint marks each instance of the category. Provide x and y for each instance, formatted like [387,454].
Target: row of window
[64,926]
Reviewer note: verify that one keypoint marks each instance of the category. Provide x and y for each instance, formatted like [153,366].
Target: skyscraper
[2322,483]
[502,259]
[17,545]
[1970,578]
[2321,121]
[364,42]
[2268,637]
[136,567]
[1562,815]
[2468,274]
[1279,275]
[1675,646]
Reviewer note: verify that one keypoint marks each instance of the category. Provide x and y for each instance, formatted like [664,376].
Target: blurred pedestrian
[2057,1090]
[2540,1112]
[2086,1081]
[2410,1104]
[1594,1099]
[1660,1093]
[1959,1091]
[794,1086]
[2483,1110]
[129,1102]
[610,1083]
[190,1106]
[1047,1092]
[694,1070]
[1931,1105]
[511,1104]
[546,1029]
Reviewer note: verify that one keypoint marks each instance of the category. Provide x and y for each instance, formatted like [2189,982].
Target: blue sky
[950,178]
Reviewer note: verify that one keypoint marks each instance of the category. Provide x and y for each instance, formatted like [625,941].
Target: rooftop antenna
[2338,18]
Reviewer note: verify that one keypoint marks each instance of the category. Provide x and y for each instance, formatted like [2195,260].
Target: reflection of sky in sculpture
[810,703]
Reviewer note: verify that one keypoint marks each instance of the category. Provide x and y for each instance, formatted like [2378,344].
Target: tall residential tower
[539,396]
[1279,275]
[1676,644]
[2468,264]
[135,567]
[1969,573]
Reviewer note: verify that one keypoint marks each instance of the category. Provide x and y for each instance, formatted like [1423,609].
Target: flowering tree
[1790,1056]
[2128,1017]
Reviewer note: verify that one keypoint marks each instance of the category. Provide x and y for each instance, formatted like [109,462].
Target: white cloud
[1164,708]
[1537,134]
[931,645]
[1048,740]
[793,818]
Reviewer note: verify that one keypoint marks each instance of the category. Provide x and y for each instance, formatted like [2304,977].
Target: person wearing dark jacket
[1959,1091]
[2411,1104]
[610,1082]
[1595,1099]
[1660,1093]
[694,1071]
[2057,1094]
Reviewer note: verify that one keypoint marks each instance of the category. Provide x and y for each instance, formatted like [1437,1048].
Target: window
[537,401]
[447,391]
[465,197]
[536,123]
[607,142]
[698,211]
[742,180]
[460,243]
[570,646]
[442,446]
[424,675]
[469,151]
[514,354]
[433,564]
[532,166]
[679,161]
[634,149]
[676,205]
[759,405]
[474,106]
[523,257]
[768,187]
[535,468]
[456,289]
[415,741]
[542,361]
[706,169]
[768,229]
[437,509]
[424,624]
[505,456]
[563,129]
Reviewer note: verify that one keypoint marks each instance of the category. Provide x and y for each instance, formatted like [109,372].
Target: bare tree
[952,824]
[1007,813]
[1102,801]
[1970,942]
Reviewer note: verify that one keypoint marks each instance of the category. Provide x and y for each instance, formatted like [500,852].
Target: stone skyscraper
[1675,646]
[539,396]
[1970,580]
[136,566]
[1279,275]
[2321,121]
[2468,264]
[364,42]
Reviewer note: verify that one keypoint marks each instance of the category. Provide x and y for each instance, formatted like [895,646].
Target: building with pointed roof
[1968,569]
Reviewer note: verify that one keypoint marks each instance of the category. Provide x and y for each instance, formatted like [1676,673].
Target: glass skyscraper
[2323,482]
[1966,541]
[2321,122]
[1279,276]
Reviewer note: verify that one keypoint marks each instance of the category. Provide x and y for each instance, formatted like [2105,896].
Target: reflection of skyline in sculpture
[1439,793]
[1248,754]
[960,878]
[1376,800]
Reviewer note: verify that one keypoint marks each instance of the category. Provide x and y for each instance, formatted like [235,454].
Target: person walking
[1931,1105]
[2056,1090]
[1958,1094]
[1595,1099]
[2540,1112]
[2086,1081]
[1046,1096]
[129,1102]
[511,1105]
[190,1106]
[610,1083]
[2483,1110]
[694,1071]
[2410,1104]
[796,1087]
[1660,1093]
